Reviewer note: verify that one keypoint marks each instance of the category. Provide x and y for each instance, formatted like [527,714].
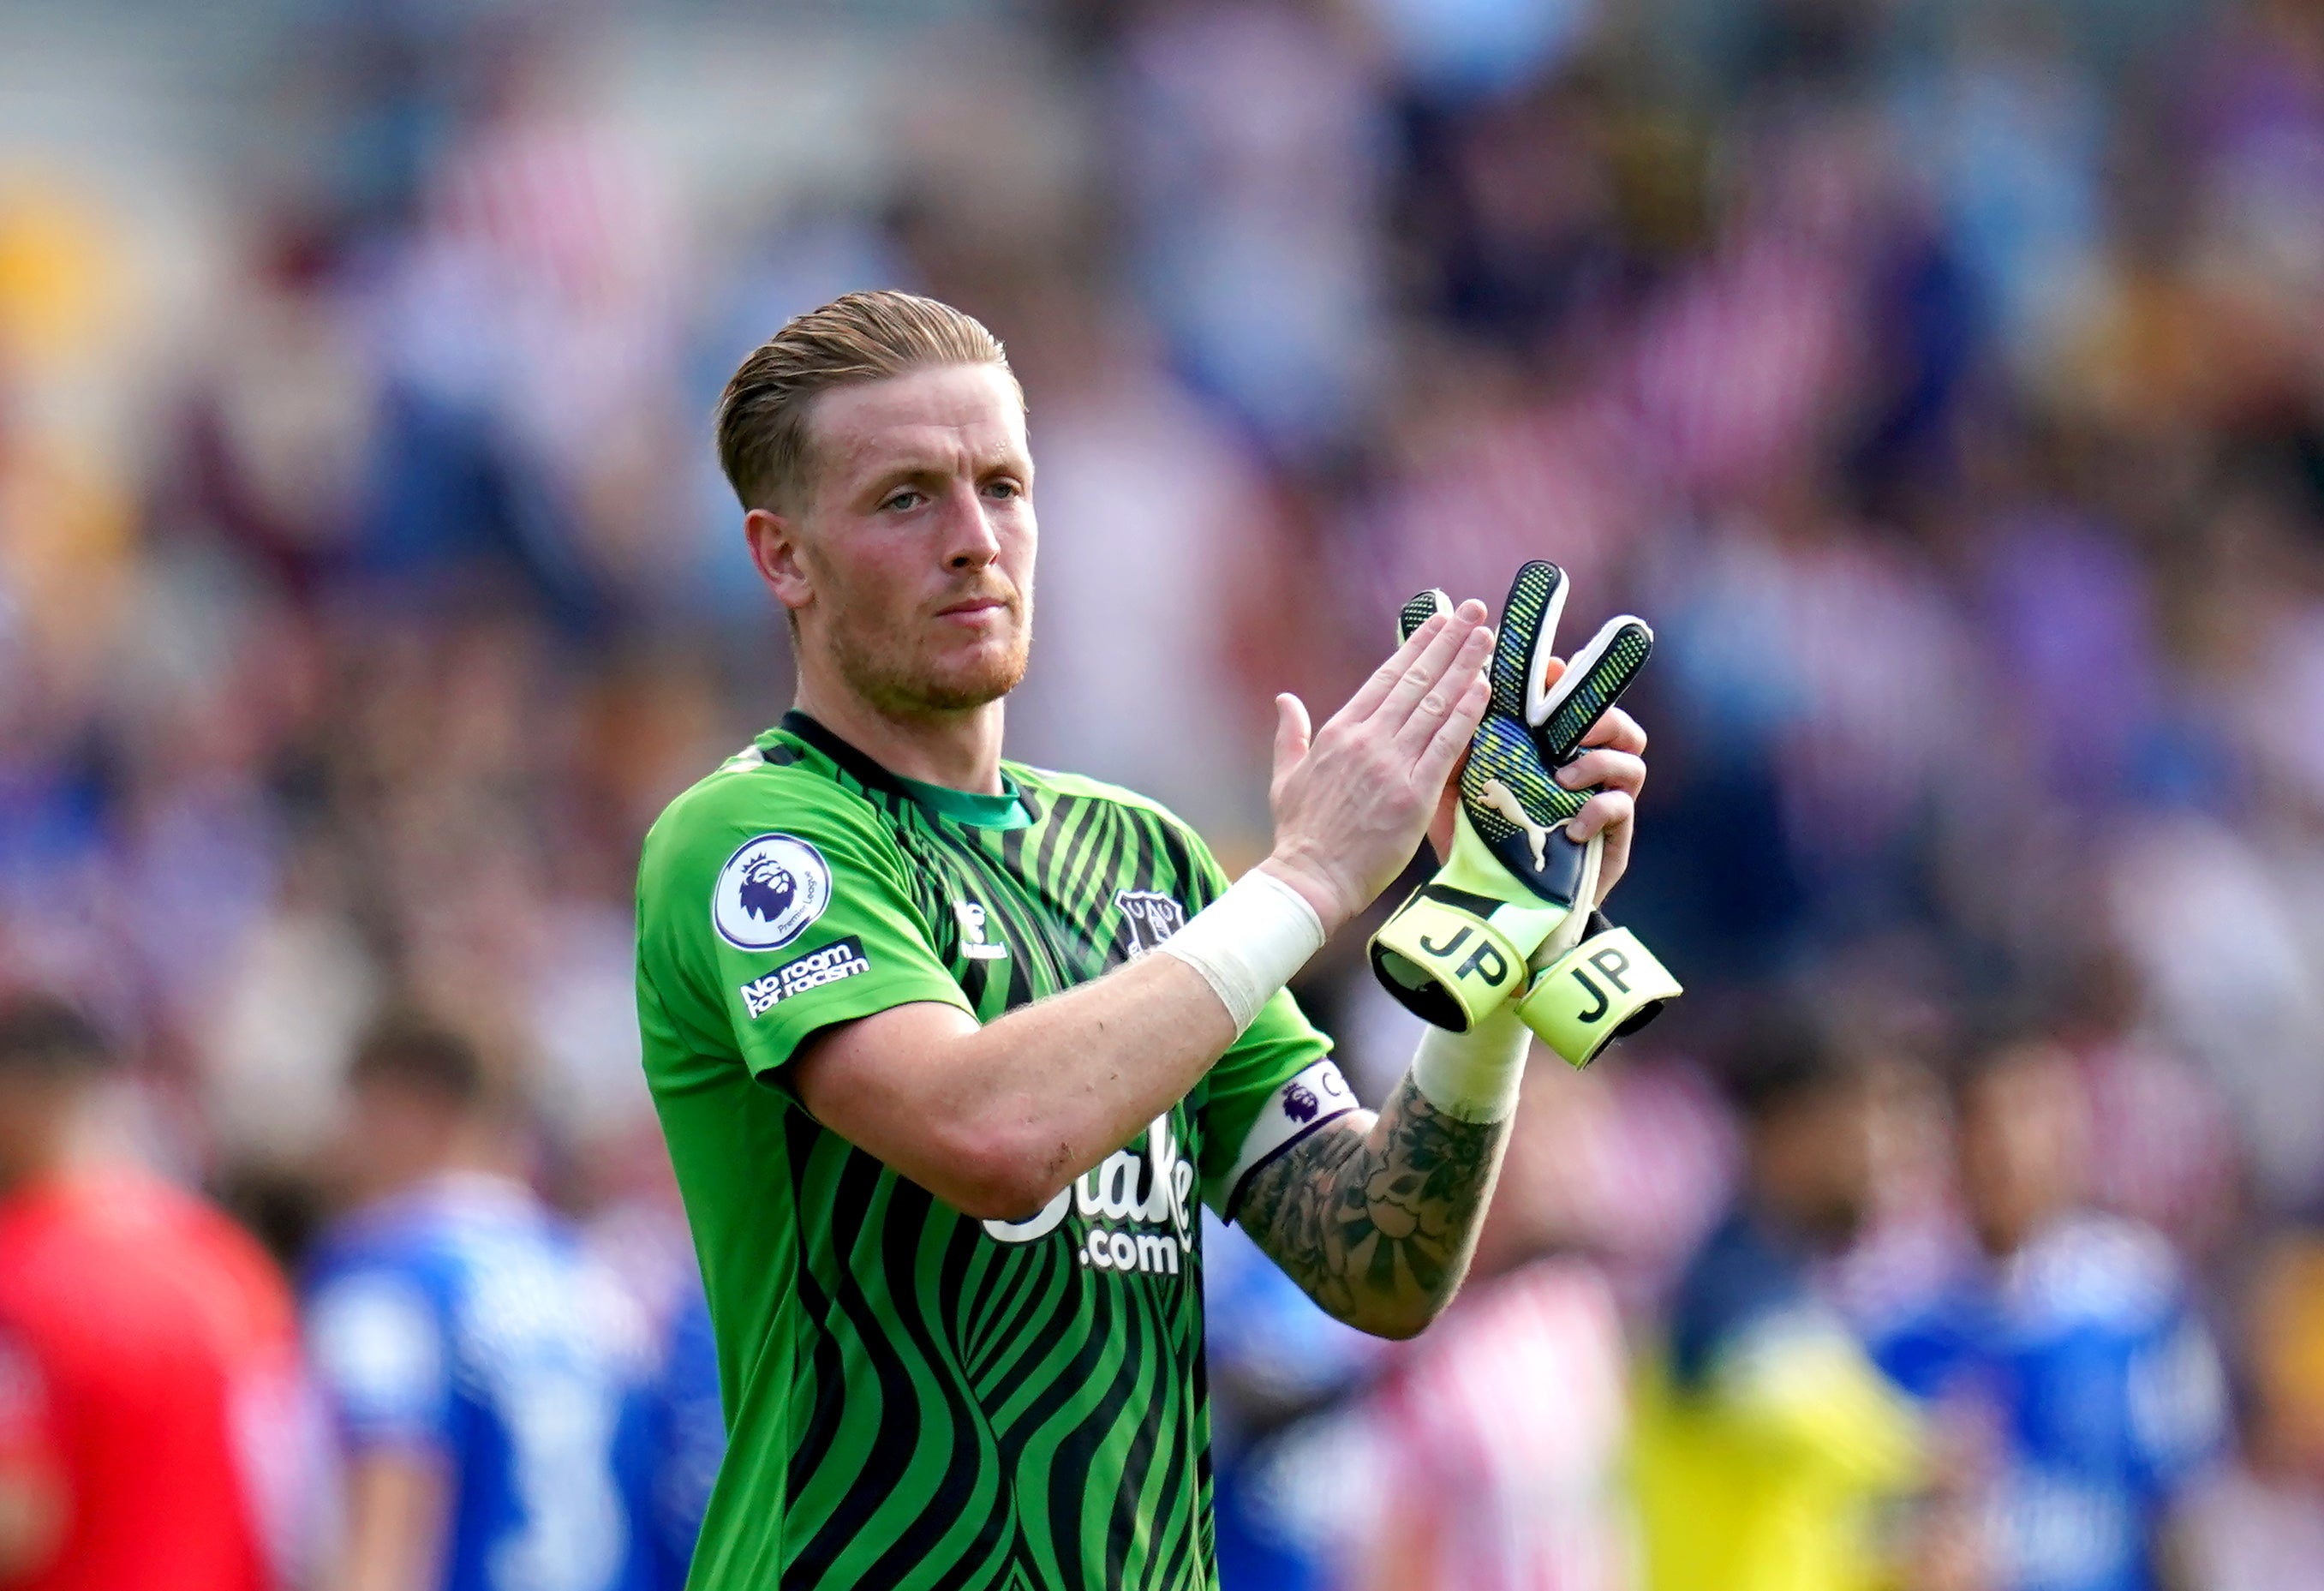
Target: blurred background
[1943,379]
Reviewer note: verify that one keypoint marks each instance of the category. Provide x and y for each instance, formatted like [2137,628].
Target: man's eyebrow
[929,468]
[927,460]
[895,472]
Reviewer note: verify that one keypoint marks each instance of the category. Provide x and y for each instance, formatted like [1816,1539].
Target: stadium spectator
[2074,1340]
[684,1438]
[483,1377]
[2259,1524]
[1941,381]
[148,1353]
[1768,1442]
[1507,1424]
[1281,1372]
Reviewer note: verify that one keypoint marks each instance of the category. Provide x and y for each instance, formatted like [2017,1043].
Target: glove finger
[1528,630]
[1593,682]
[1419,611]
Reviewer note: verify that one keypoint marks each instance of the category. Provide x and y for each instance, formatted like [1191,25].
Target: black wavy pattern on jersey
[1071,895]
[944,1507]
[1052,1272]
[801,1133]
[822,1419]
[1125,862]
[953,867]
[1170,1502]
[1207,1548]
[1079,1448]
[1082,832]
[1144,865]
[1044,848]
[1161,1497]
[1088,891]
[1012,843]
[964,1253]
[1000,1280]
[989,1276]
[1175,851]
[1001,1315]
[1074,1359]
[1038,970]
[1042,1270]
[888,1459]
[1083,846]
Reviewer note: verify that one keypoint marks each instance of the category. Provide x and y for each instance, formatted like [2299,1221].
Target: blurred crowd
[1943,379]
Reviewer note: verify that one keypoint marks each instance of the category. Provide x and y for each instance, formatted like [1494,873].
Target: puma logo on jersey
[1503,801]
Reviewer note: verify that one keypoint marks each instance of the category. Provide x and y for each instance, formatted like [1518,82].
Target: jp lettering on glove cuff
[1454,956]
[1607,987]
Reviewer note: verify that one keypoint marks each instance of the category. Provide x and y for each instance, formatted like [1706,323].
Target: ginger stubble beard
[918,685]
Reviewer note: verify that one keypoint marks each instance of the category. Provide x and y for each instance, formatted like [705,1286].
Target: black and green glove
[1512,914]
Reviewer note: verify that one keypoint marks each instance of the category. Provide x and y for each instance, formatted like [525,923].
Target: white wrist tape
[1474,1075]
[1248,942]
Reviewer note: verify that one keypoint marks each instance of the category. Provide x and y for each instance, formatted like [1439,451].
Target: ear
[774,542]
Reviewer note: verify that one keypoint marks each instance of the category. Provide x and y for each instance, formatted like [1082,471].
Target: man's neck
[958,750]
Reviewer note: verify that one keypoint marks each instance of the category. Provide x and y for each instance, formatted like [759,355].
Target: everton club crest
[1147,918]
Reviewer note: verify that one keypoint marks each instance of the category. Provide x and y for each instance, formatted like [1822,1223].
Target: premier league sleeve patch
[770,891]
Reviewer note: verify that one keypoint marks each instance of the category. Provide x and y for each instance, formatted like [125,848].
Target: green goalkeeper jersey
[914,1397]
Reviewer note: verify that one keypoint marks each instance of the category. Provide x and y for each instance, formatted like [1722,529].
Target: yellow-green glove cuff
[1607,986]
[1459,948]
[1444,962]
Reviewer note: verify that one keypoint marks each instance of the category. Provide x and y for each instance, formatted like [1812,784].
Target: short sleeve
[1273,1087]
[789,906]
[377,1344]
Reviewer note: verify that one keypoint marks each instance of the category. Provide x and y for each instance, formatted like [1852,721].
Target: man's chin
[943,679]
[972,682]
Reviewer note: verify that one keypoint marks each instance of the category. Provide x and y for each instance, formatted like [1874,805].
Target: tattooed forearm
[1377,1223]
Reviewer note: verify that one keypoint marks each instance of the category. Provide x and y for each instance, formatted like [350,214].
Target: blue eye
[901,501]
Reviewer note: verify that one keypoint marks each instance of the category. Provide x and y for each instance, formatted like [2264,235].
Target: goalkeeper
[946,1048]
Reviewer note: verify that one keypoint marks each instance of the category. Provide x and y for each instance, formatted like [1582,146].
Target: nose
[970,542]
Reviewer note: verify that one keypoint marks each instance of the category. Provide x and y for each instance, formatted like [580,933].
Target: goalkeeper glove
[1512,912]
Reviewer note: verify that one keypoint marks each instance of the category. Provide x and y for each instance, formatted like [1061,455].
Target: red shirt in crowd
[147,1367]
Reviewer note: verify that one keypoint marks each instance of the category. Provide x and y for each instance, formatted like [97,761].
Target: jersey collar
[1006,811]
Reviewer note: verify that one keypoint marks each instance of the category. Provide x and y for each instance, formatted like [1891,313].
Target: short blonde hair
[864,337]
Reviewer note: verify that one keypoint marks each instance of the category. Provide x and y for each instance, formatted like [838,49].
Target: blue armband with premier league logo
[1511,915]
